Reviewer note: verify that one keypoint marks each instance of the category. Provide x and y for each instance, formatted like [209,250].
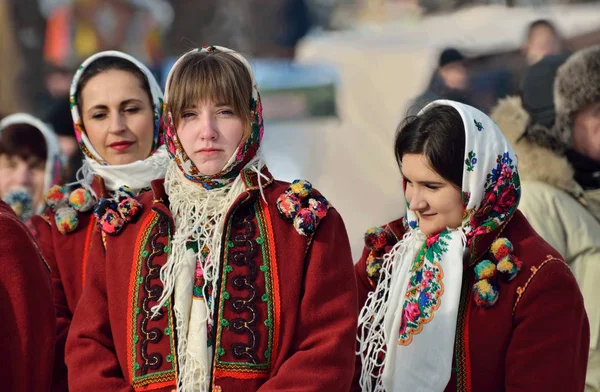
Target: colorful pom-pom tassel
[103,206]
[81,200]
[301,188]
[124,192]
[378,238]
[57,197]
[319,205]
[501,248]
[21,202]
[509,267]
[485,293]
[111,222]
[373,266]
[485,270]
[305,222]
[66,219]
[129,209]
[288,205]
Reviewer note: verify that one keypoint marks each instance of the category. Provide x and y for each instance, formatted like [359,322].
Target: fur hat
[577,85]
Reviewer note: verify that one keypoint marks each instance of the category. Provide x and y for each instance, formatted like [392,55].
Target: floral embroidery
[471,161]
[425,288]
[502,193]
[478,125]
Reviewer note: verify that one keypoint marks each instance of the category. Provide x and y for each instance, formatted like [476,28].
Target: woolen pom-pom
[288,205]
[66,219]
[129,209]
[81,200]
[485,293]
[124,192]
[305,222]
[103,206]
[378,238]
[56,197]
[301,188]
[509,267]
[112,222]
[319,205]
[485,270]
[501,248]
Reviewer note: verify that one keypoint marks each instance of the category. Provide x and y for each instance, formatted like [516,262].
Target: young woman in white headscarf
[230,279]
[461,294]
[30,163]
[116,106]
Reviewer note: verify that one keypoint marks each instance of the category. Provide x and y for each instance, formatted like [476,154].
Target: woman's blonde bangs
[211,76]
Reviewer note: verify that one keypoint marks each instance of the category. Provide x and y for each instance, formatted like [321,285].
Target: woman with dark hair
[229,280]
[116,106]
[461,294]
[30,163]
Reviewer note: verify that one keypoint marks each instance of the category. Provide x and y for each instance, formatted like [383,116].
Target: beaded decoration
[485,289]
[298,206]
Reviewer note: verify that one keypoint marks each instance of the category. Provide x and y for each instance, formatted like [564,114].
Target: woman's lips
[121,146]
[427,216]
[209,151]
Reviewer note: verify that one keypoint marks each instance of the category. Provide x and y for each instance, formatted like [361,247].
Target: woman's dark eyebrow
[131,100]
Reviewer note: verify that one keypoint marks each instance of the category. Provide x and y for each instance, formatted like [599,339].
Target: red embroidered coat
[534,338]
[67,255]
[295,330]
[26,309]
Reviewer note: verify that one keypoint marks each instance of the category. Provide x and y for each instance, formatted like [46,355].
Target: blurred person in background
[450,81]
[555,128]
[116,107]
[26,309]
[30,163]
[11,98]
[78,28]
[542,39]
[58,115]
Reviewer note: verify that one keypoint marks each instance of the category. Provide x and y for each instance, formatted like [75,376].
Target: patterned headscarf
[244,153]
[54,164]
[410,318]
[157,101]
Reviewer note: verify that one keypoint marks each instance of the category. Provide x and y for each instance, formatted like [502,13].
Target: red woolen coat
[67,255]
[534,338]
[26,309]
[304,301]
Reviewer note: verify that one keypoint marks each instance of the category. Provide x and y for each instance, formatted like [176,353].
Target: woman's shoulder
[301,206]
[541,264]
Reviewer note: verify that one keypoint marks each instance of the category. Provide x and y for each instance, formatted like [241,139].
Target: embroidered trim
[144,366]
[243,250]
[462,355]
[534,271]
[86,249]
[240,252]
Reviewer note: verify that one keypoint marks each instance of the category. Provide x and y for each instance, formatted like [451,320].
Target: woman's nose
[117,123]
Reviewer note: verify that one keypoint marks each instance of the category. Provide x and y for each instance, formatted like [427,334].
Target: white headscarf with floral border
[407,326]
[54,163]
[136,175]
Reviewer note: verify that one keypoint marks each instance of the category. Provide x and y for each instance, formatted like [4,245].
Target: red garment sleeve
[325,333]
[90,352]
[549,346]
[43,232]
[26,311]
